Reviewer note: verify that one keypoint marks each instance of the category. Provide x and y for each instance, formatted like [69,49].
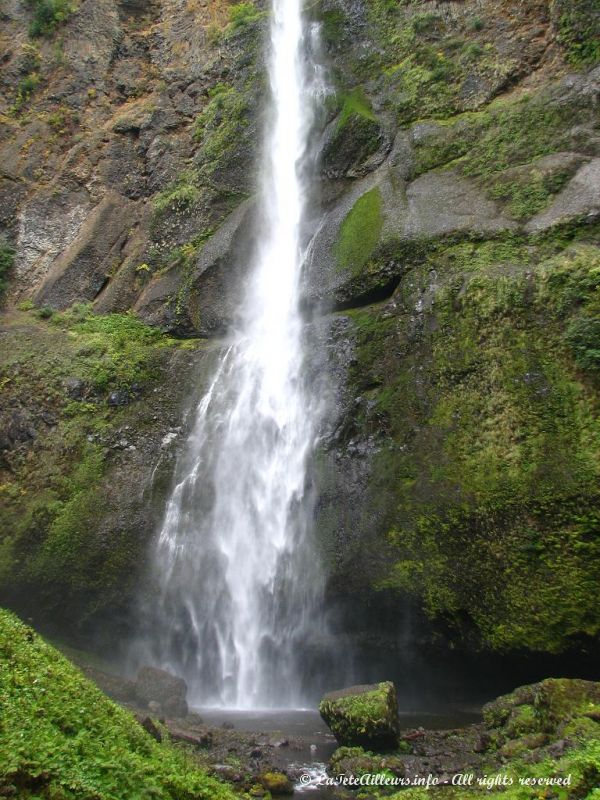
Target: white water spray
[239,587]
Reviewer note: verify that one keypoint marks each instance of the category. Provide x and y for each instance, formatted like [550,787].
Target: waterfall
[239,590]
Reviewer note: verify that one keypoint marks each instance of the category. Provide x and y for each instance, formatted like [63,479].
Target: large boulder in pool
[363,715]
[158,686]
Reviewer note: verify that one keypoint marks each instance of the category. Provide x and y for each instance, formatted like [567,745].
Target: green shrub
[48,15]
[180,195]
[241,15]
[120,346]
[25,88]
[7,257]
[583,336]
[578,25]
[475,24]
[424,22]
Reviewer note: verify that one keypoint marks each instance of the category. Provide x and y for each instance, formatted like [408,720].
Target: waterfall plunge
[239,589]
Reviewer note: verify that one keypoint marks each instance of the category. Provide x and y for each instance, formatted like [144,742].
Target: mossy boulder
[277,783]
[159,686]
[363,715]
[356,762]
[547,707]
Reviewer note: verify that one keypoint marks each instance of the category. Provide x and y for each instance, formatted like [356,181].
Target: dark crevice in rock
[375,295]
[378,294]
[102,287]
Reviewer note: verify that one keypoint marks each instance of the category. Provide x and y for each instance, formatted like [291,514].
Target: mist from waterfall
[240,592]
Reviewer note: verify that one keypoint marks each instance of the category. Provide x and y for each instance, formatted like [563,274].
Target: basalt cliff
[452,285]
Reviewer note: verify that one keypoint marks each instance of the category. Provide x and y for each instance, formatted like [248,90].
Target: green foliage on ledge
[179,195]
[485,143]
[48,15]
[220,126]
[578,24]
[116,349]
[355,103]
[61,738]
[546,731]
[242,15]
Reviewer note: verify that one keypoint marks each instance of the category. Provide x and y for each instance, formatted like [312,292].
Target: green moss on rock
[7,257]
[61,738]
[72,387]
[360,231]
[222,129]
[487,471]
[356,762]
[363,715]
[277,783]
[578,25]
[564,746]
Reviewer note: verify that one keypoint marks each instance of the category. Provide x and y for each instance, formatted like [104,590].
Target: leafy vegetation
[221,125]
[7,257]
[48,15]
[61,738]
[583,336]
[181,194]
[242,15]
[578,30]
[523,729]
[25,88]
[118,347]
[483,144]
[529,193]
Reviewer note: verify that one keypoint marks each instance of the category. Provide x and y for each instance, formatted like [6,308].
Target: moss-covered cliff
[455,269]
[92,408]
[461,475]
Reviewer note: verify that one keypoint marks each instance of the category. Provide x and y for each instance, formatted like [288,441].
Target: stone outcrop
[363,715]
[154,685]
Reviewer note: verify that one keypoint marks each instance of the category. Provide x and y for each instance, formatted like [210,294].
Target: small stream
[311,744]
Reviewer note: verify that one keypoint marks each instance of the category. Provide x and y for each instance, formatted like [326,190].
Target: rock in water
[363,715]
[169,691]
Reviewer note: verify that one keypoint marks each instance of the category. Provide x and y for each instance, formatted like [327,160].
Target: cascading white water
[239,589]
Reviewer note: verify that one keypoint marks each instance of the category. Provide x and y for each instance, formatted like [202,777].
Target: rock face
[452,278]
[554,710]
[158,686]
[363,715]
[120,689]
